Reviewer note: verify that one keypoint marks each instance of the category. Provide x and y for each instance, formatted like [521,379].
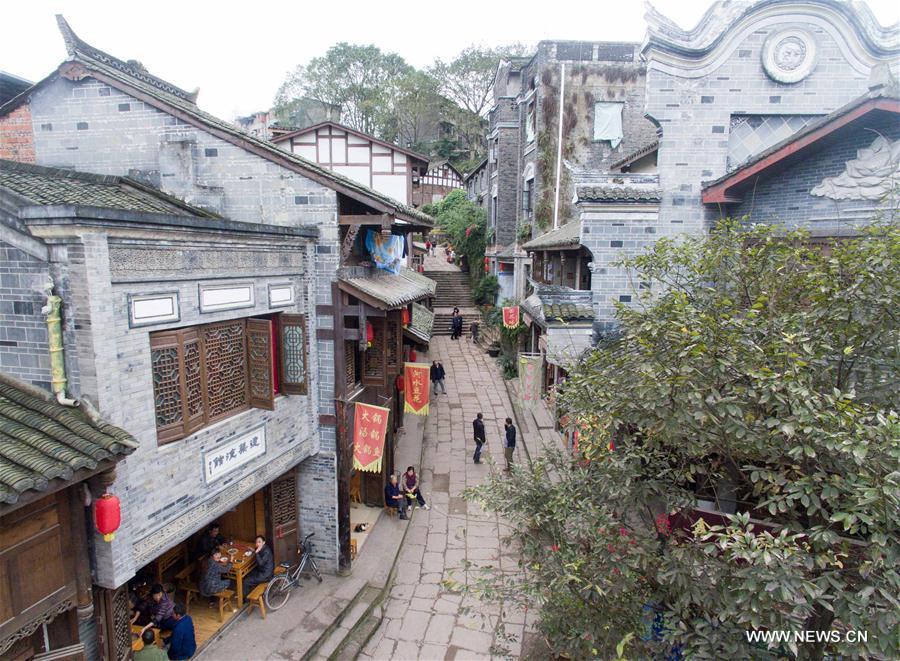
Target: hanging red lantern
[401,384]
[404,316]
[468,232]
[370,334]
[412,354]
[107,516]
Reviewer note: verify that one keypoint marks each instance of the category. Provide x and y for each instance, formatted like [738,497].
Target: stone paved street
[422,619]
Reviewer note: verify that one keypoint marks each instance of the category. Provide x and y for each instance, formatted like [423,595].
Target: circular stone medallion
[789,56]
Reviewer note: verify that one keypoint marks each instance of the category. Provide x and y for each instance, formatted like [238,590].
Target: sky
[238,54]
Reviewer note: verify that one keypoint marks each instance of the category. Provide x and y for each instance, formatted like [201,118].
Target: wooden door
[113,617]
[240,523]
[284,526]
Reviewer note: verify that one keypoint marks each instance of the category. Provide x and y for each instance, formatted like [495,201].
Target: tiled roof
[420,326]
[551,304]
[392,291]
[134,77]
[618,193]
[569,235]
[635,155]
[41,440]
[568,312]
[44,186]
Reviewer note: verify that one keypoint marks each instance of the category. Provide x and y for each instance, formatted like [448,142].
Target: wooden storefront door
[283,518]
[113,618]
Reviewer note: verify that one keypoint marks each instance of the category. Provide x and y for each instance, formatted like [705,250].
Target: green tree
[361,79]
[465,224]
[758,372]
[467,80]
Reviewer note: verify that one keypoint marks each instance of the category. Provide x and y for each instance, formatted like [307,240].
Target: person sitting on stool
[265,566]
[393,497]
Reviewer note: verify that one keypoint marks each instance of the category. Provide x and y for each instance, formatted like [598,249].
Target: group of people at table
[400,494]
[156,612]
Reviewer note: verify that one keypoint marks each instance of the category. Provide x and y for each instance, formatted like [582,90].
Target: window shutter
[394,342]
[168,391]
[194,378]
[350,363]
[374,358]
[294,353]
[259,363]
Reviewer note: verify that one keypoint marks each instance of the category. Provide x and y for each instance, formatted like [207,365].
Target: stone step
[353,645]
[349,620]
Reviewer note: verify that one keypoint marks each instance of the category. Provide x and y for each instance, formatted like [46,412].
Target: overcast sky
[239,53]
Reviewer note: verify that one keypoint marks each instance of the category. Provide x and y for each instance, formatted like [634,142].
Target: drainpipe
[562,92]
[57,357]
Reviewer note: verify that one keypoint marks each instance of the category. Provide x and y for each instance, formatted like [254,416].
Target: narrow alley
[422,619]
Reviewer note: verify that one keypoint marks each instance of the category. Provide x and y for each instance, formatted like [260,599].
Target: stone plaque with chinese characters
[223,459]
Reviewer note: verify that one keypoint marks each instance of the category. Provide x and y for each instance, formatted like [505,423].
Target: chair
[391,511]
[184,582]
[224,597]
[169,559]
[256,599]
[353,548]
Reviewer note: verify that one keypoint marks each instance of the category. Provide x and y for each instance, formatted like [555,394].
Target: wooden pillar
[343,437]
[79,544]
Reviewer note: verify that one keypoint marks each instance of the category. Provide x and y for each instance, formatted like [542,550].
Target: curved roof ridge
[723,14]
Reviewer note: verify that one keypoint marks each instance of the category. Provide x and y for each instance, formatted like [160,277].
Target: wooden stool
[280,569]
[391,511]
[185,583]
[256,599]
[353,548]
[224,597]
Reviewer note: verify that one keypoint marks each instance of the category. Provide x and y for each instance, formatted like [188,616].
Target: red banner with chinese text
[369,428]
[416,376]
[511,316]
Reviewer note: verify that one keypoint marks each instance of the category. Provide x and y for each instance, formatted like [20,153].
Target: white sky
[238,53]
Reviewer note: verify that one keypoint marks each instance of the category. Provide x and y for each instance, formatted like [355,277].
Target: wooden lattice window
[394,344]
[374,360]
[294,350]
[207,373]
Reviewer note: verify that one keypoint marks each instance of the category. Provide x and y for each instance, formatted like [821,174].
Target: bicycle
[278,591]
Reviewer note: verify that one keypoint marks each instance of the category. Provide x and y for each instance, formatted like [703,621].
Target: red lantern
[107,516]
[468,232]
[412,354]
[370,334]
[401,384]
[405,317]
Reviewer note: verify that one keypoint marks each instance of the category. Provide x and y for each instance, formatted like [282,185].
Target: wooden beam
[365,219]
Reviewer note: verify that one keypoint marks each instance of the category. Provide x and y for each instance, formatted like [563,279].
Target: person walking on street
[510,444]
[478,428]
[456,323]
[437,376]
[473,331]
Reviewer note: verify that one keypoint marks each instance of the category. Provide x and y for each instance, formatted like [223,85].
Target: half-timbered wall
[375,165]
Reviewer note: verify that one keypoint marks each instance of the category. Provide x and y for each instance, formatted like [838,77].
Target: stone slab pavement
[422,619]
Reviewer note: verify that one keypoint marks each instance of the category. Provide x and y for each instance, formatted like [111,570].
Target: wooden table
[241,565]
[136,643]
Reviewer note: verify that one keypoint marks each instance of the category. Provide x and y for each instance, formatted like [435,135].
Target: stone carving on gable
[870,176]
[789,56]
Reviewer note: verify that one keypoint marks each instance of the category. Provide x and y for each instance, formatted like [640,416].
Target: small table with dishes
[243,560]
[136,643]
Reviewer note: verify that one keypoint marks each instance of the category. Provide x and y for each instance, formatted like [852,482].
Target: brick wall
[24,353]
[17,136]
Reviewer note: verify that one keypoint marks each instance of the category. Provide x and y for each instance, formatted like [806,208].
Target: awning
[42,441]
[554,305]
[387,291]
[420,325]
[567,237]
[565,345]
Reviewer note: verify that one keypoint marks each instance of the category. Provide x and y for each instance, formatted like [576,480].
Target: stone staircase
[452,291]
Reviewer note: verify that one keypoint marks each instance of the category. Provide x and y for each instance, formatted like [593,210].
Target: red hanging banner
[369,428]
[511,316]
[416,377]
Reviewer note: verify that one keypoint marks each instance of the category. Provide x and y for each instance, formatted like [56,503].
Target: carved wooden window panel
[225,358]
[374,358]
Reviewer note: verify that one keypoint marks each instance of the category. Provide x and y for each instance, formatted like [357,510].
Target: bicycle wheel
[277,592]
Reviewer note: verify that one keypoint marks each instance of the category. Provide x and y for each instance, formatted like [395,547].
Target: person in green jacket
[150,652]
